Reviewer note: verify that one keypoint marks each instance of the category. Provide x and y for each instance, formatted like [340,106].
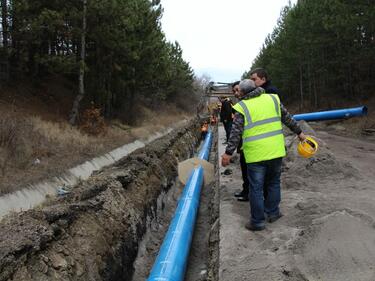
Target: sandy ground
[327,232]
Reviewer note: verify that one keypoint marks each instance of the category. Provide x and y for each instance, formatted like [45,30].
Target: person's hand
[225,159]
[302,136]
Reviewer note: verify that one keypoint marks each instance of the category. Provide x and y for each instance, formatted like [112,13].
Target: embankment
[93,232]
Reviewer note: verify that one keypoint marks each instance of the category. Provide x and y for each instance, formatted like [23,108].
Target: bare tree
[4,62]
[4,21]
[200,85]
[81,82]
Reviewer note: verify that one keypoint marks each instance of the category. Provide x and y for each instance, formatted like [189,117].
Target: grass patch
[33,149]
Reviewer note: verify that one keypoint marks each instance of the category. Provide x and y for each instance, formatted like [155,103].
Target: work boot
[251,227]
[241,194]
[243,198]
[274,218]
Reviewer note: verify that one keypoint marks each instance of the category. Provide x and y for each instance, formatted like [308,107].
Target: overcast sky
[220,38]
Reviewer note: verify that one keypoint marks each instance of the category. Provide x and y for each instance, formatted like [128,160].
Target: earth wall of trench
[93,232]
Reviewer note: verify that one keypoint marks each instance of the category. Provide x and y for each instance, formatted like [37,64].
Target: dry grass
[61,134]
[32,147]
[37,143]
[18,140]
[35,149]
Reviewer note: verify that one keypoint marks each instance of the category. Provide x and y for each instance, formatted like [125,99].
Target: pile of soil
[322,167]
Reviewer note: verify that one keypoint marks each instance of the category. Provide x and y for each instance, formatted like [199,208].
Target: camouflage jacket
[238,123]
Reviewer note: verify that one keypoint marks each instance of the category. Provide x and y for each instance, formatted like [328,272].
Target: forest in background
[321,54]
[113,52]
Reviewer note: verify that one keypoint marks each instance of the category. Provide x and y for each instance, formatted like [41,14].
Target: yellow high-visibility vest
[262,138]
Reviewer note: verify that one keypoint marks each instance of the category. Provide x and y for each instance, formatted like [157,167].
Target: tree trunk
[4,20]
[315,95]
[309,78]
[350,84]
[81,84]
[4,61]
[301,86]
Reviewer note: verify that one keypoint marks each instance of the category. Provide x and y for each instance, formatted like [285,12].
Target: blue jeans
[265,174]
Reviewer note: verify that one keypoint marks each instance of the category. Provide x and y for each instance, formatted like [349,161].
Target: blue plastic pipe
[170,265]
[332,114]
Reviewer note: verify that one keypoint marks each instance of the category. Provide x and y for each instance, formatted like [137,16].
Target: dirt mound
[320,254]
[322,167]
[93,232]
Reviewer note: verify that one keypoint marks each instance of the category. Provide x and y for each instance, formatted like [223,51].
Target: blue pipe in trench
[170,265]
[332,114]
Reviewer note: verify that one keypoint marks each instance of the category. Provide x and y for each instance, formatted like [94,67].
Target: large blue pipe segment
[332,114]
[170,265]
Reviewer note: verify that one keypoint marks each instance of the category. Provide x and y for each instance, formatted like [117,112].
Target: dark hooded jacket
[271,89]
[226,110]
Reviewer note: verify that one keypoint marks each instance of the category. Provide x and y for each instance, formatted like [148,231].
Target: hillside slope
[37,142]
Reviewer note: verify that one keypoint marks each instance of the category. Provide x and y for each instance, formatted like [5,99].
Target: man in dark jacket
[263,149]
[243,195]
[261,79]
[226,116]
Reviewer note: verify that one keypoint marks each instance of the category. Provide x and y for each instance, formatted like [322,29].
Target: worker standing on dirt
[243,195]
[262,79]
[258,121]
[226,116]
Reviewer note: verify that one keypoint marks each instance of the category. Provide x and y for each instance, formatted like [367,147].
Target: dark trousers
[227,127]
[245,184]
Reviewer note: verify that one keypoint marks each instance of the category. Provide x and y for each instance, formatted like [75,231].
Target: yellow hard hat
[308,147]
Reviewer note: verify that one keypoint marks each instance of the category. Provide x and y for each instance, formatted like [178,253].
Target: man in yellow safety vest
[258,121]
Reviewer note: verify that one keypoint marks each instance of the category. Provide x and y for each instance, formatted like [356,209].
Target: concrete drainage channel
[34,195]
[111,226]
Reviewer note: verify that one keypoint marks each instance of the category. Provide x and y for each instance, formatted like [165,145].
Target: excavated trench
[110,227]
